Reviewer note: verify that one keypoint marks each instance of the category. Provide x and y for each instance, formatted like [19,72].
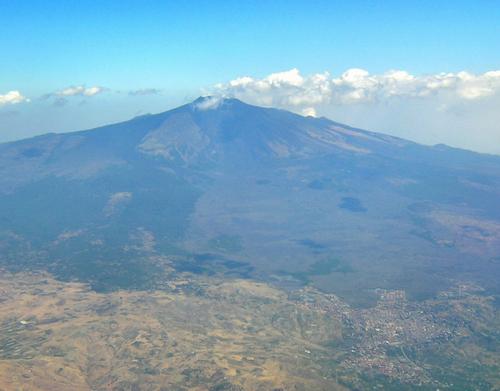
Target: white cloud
[291,77]
[208,103]
[62,97]
[309,112]
[12,97]
[79,91]
[291,90]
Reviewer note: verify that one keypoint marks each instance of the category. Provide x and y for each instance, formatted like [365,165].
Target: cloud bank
[12,98]
[460,109]
[290,89]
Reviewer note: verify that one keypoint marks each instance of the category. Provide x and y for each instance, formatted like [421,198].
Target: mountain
[220,187]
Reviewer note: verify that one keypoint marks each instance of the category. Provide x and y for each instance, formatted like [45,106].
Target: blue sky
[182,50]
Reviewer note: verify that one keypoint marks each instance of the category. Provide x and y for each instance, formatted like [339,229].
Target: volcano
[224,188]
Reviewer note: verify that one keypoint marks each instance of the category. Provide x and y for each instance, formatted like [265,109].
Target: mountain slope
[222,187]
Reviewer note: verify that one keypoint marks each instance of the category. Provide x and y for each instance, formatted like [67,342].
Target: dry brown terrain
[204,333]
[63,336]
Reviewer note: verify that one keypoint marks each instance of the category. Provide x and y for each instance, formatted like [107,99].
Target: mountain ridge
[203,98]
